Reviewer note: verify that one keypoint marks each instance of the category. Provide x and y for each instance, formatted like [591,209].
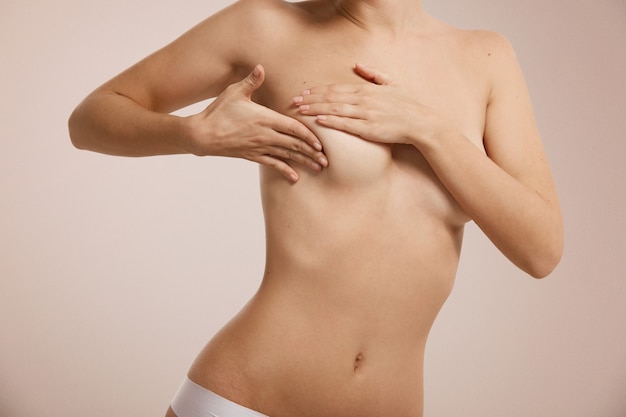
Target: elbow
[545,261]
[548,251]
[544,267]
[74,129]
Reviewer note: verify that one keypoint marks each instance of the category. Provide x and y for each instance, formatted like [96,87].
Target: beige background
[114,272]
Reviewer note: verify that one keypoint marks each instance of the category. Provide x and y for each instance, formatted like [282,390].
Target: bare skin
[364,236]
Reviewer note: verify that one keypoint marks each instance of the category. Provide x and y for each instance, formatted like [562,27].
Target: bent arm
[509,193]
[128,115]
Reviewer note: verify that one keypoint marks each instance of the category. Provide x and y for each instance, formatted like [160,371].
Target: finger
[352,98]
[332,88]
[372,74]
[253,81]
[272,139]
[356,127]
[280,166]
[292,148]
[336,109]
[294,128]
[287,154]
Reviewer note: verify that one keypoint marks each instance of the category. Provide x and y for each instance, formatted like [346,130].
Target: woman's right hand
[235,126]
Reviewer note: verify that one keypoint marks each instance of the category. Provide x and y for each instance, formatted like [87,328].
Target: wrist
[192,133]
[442,139]
[427,134]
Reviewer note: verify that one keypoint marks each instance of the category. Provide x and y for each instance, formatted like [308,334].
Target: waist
[290,352]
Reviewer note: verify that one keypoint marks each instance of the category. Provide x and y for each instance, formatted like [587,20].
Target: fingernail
[298,99]
[317,146]
[323,161]
[306,92]
[304,107]
[321,117]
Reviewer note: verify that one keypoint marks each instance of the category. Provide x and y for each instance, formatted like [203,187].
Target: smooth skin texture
[380,131]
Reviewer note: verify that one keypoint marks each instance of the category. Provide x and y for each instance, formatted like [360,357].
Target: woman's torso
[360,257]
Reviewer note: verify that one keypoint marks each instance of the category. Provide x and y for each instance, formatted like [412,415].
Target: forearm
[110,123]
[525,226]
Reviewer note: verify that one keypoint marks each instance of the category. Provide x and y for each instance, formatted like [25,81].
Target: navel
[358,361]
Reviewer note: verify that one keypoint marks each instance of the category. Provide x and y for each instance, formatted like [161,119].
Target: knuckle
[275,164]
[249,82]
[258,140]
[336,107]
[271,162]
[296,146]
[293,129]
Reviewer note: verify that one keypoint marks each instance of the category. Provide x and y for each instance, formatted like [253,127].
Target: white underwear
[192,400]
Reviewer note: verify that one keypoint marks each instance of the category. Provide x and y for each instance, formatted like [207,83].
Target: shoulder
[494,46]
[486,44]
[264,14]
[479,46]
[489,53]
[488,39]
[499,61]
[243,17]
[253,23]
[240,32]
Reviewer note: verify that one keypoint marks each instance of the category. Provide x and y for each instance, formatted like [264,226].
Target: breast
[352,161]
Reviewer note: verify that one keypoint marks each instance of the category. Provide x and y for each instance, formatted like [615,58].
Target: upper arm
[511,137]
[196,66]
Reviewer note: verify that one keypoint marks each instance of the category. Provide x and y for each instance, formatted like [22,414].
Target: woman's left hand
[378,111]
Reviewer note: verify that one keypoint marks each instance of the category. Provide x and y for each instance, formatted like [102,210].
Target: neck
[388,15]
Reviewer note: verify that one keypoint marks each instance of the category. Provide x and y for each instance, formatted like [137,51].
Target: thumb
[254,80]
[372,74]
